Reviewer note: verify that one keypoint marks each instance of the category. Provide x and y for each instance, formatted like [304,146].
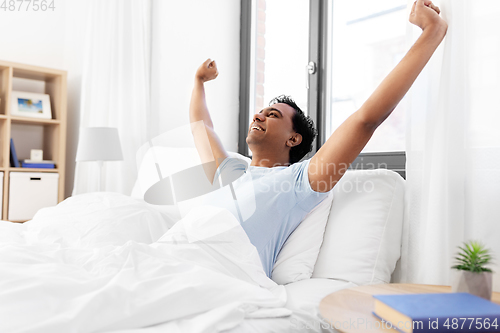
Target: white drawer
[29,192]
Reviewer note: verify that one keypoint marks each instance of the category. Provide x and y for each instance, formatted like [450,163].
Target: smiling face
[272,129]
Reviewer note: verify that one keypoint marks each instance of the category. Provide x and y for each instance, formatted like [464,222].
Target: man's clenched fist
[425,14]
[207,71]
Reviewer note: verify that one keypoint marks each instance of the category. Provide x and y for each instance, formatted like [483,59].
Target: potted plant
[473,277]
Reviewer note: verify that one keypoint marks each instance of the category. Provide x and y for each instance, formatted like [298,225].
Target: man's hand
[207,71]
[425,14]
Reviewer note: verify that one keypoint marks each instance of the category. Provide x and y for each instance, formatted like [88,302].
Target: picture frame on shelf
[32,105]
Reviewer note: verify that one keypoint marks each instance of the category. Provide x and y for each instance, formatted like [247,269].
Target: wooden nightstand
[350,310]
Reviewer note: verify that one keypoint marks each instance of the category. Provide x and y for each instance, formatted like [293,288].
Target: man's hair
[303,125]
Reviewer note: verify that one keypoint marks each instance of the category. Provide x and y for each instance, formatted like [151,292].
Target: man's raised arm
[329,164]
[207,142]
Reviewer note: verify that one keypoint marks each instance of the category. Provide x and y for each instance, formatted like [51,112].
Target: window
[278,53]
[368,41]
[278,59]
[353,45]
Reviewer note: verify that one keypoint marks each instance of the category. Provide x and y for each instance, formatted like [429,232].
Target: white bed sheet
[99,262]
[67,269]
[303,299]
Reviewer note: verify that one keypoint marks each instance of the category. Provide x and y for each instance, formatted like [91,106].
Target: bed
[106,262]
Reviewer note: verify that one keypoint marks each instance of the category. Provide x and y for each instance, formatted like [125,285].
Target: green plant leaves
[473,257]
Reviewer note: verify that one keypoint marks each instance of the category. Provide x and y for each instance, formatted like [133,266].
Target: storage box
[29,192]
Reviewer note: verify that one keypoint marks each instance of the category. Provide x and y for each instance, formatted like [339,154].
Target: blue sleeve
[307,198]
[230,169]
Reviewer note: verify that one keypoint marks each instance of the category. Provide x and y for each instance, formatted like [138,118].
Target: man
[280,135]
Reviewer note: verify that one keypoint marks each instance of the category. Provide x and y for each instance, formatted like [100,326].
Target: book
[14,162]
[39,162]
[444,312]
[39,165]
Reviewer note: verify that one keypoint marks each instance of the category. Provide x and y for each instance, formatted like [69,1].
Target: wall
[185,34]
[49,39]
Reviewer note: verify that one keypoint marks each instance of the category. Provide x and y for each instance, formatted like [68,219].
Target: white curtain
[116,87]
[453,146]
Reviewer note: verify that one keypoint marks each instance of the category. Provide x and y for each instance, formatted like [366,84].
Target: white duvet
[107,262]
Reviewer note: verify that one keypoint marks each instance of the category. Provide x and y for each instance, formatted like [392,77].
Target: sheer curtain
[453,146]
[116,86]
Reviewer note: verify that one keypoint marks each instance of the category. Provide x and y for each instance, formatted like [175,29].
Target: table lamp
[99,144]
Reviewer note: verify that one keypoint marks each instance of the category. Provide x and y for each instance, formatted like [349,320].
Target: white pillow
[362,241]
[298,255]
[170,160]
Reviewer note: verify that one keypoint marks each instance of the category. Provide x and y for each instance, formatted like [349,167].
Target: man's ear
[294,140]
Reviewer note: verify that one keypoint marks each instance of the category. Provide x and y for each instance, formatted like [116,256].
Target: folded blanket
[203,274]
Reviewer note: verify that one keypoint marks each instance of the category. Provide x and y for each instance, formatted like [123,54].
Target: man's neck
[269,162]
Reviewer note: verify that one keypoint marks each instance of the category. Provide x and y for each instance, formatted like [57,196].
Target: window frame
[318,94]
[245,58]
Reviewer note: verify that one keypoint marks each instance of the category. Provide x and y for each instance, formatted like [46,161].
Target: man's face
[273,126]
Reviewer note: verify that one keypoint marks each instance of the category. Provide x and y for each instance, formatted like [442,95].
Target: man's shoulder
[301,165]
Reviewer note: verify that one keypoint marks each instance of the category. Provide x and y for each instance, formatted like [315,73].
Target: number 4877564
[27,5]
[477,323]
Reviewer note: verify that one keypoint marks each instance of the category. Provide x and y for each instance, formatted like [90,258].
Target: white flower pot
[479,284]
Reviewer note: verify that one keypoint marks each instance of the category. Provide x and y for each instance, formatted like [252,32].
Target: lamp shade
[99,144]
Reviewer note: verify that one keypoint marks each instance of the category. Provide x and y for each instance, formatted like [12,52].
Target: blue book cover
[13,155]
[39,165]
[444,312]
